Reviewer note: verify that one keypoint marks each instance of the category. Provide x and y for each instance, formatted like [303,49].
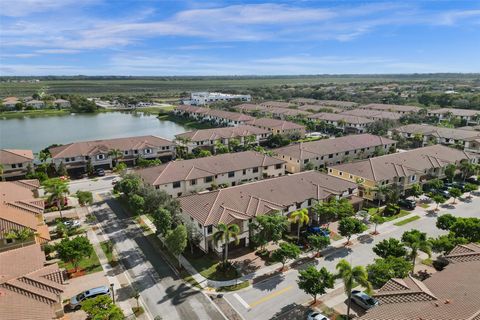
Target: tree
[318,242]
[446,221]
[377,219]
[203,153]
[455,193]
[163,220]
[74,250]
[325,210]
[300,217]
[380,193]
[382,270]
[176,240]
[315,282]
[349,226]
[234,144]
[349,276]
[438,199]
[120,168]
[445,243]
[223,234]
[470,187]
[286,251]
[269,227]
[62,170]
[84,197]
[249,141]
[21,235]
[102,308]
[416,190]
[390,248]
[136,203]
[309,166]
[450,170]
[57,189]
[115,154]
[89,168]
[415,241]
[220,148]
[130,184]
[469,228]
[467,168]
[193,235]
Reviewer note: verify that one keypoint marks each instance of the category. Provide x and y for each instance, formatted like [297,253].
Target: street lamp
[113,292]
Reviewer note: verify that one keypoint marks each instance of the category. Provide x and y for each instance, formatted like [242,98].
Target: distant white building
[203,98]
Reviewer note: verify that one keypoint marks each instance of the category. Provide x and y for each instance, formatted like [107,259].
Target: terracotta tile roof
[252,199]
[451,294]
[439,132]
[373,114]
[391,107]
[332,103]
[287,112]
[249,107]
[222,133]
[275,124]
[19,194]
[404,164]
[464,253]
[339,117]
[455,112]
[28,288]
[10,156]
[205,167]
[319,108]
[307,150]
[276,104]
[86,148]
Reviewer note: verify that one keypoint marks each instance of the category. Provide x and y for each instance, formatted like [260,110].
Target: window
[14,165]
[340,173]
[148,151]
[100,156]
[347,152]
[330,156]
[231,174]
[278,166]
[193,182]
[125,152]
[135,151]
[72,159]
[67,159]
[176,184]
[244,171]
[305,161]
[209,229]
[7,241]
[330,170]
[209,179]
[255,170]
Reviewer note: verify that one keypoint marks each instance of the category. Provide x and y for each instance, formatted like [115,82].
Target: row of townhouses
[10,103]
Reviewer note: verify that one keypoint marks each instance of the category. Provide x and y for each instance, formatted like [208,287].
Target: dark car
[100,172]
[473,180]
[363,300]
[407,204]
[318,230]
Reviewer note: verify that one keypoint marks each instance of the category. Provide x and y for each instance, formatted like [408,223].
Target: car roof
[96,290]
[360,294]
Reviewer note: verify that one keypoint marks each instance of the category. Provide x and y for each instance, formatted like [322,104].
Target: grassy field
[89,265]
[167,87]
[33,113]
[403,222]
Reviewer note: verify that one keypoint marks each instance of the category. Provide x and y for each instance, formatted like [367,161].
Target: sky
[175,37]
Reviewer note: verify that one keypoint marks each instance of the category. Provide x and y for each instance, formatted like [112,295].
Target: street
[98,184]
[163,293]
[280,293]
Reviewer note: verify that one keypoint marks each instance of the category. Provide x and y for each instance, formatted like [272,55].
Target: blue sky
[147,37]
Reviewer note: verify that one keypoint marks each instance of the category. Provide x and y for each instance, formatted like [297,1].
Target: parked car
[444,193]
[76,301]
[314,315]
[407,204]
[72,223]
[318,230]
[100,172]
[363,300]
[473,180]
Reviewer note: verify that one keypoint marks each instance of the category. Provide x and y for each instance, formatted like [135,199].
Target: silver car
[363,300]
[314,315]
[76,301]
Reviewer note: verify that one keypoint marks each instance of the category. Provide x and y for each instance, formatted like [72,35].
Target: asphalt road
[99,184]
[163,293]
[279,294]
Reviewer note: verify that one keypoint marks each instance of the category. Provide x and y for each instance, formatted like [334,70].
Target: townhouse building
[9,103]
[468,140]
[208,138]
[218,117]
[77,155]
[325,103]
[37,104]
[400,169]
[61,103]
[321,153]
[15,163]
[468,115]
[276,104]
[241,204]
[373,114]
[20,208]
[184,177]
[347,123]
[286,113]
[402,109]
[278,126]
[203,98]
[317,108]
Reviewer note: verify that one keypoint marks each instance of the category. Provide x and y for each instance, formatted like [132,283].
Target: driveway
[277,295]
[163,293]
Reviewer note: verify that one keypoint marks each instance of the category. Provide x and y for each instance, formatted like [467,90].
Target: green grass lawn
[111,259]
[402,213]
[427,262]
[403,222]
[206,265]
[33,113]
[235,287]
[373,211]
[89,265]
[424,205]
[189,278]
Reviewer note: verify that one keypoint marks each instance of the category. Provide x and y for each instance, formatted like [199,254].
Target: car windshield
[81,296]
[370,301]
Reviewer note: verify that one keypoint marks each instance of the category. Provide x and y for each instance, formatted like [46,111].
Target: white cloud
[21,8]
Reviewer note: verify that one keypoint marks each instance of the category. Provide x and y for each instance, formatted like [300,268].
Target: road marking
[270,296]
[241,301]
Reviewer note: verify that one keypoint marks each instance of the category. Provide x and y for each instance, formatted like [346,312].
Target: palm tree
[58,189]
[183,144]
[300,217]
[115,154]
[467,168]
[416,240]
[380,192]
[21,235]
[223,234]
[351,275]
[248,141]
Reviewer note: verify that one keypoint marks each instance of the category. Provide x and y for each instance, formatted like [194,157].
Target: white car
[314,315]
[72,223]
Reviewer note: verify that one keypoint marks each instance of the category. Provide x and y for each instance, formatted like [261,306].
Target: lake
[37,133]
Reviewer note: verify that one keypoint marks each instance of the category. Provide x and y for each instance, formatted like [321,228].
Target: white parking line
[246,305]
